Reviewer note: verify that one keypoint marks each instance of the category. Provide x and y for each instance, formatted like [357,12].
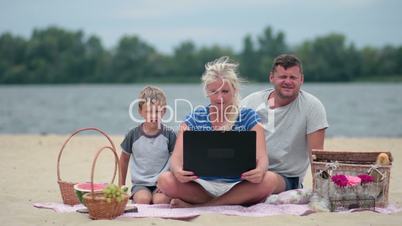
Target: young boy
[150,145]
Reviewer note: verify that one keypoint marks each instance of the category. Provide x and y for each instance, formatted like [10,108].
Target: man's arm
[315,141]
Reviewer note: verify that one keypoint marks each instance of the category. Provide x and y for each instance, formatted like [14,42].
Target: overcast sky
[166,23]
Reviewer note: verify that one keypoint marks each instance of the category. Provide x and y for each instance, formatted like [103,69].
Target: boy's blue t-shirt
[149,154]
[199,121]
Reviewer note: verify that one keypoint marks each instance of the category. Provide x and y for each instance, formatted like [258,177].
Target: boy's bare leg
[143,196]
[160,198]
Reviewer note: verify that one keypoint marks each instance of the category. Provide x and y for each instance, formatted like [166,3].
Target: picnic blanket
[293,202]
[164,211]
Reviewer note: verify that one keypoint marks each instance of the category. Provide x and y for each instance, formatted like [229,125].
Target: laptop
[225,154]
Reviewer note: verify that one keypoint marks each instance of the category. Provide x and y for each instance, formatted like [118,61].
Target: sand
[28,175]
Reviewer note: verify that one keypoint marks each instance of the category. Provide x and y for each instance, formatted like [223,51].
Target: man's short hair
[287,61]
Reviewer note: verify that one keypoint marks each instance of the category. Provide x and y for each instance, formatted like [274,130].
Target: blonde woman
[221,85]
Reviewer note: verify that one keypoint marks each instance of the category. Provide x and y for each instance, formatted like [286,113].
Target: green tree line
[55,55]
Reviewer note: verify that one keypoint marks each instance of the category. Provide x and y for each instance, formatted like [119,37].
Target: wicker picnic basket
[67,188]
[327,163]
[97,205]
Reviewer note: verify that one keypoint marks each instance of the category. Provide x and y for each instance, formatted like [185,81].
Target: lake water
[353,109]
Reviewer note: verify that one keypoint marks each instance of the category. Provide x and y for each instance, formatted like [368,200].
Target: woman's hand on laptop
[254,176]
[184,176]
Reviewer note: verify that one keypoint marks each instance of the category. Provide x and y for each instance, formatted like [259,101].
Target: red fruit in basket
[86,186]
[83,188]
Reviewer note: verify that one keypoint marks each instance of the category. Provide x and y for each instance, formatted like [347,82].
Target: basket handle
[93,167]
[71,136]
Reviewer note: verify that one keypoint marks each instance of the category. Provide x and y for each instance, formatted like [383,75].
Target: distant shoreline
[396,79]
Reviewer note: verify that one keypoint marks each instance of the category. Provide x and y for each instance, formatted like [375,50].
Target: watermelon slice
[83,188]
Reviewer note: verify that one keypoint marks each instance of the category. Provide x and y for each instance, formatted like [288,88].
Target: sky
[164,24]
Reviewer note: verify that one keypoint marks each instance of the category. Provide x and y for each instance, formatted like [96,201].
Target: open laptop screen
[225,154]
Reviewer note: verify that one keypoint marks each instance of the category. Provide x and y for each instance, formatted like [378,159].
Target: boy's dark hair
[152,95]
[287,61]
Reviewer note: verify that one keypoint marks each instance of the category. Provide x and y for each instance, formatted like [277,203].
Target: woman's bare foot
[178,203]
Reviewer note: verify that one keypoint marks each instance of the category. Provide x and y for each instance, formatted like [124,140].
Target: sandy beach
[28,175]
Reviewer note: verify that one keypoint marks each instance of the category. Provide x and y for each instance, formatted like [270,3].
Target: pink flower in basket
[347,180]
[353,180]
[365,178]
[340,180]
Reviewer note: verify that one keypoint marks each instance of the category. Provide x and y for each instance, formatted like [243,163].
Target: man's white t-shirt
[286,130]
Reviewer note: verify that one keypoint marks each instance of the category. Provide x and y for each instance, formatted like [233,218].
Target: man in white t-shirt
[294,122]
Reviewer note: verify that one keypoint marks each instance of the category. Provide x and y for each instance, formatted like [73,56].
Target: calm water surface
[353,109]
